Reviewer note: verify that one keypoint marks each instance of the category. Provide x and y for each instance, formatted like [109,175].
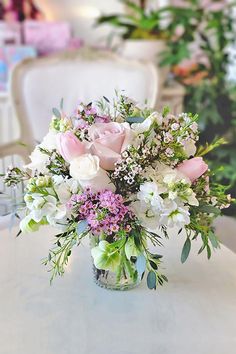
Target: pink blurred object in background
[75,43]
[47,37]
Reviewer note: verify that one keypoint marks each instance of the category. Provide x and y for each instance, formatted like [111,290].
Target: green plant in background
[201,33]
[138,23]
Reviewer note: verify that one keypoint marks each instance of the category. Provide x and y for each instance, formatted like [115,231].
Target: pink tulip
[69,146]
[193,168]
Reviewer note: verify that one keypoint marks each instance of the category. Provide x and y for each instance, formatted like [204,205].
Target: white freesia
[85,169]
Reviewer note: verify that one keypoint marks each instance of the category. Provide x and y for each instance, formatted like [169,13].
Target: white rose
[85,169]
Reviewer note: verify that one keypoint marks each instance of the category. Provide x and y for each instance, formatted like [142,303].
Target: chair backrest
[39,84]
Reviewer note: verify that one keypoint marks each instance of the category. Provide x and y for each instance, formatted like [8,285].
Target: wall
[82,15]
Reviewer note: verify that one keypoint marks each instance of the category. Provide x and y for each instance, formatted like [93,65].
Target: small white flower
[194,127]
[169,152]
[167,137]
[175,126]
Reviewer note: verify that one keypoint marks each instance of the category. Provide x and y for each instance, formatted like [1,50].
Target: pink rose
[193,168]
[109,140]
[69,146]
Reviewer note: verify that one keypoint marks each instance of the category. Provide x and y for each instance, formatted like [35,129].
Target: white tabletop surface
[194,314]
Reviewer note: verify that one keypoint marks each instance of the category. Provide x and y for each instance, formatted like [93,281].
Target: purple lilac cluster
[104,211]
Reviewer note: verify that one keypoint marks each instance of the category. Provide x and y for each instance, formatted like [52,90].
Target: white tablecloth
[194,313]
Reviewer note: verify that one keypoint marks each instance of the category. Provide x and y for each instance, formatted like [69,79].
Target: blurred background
[190,42]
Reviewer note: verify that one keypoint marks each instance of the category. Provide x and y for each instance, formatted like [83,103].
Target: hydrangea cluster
[104,211]
[125,175]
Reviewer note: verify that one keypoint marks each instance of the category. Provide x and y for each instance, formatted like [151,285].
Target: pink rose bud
[193,168]
[69,146]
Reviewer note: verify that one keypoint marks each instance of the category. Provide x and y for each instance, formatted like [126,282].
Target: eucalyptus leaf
[135,119]
[62,103]
[82,226]
[56,113]
[141,265]
[106,99]
[153,265]
[214,241]
[185,251]
[151,280]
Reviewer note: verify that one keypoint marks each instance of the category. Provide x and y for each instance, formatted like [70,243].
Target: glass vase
[125,277]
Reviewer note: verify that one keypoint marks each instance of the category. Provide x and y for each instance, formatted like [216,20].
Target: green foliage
[138,24]
[186,250]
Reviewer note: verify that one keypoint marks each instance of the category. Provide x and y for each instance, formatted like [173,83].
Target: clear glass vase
[107,279]
[124,278]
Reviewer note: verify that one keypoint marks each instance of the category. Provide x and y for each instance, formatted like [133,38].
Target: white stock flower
[65,187]
[146,216]
[150,194]
[85,169]
[175,215]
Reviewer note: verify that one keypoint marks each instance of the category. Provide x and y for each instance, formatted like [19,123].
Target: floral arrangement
[122,175]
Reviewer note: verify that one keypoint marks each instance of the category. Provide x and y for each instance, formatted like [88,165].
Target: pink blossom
[193,168]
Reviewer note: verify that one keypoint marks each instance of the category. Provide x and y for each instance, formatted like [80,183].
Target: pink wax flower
[81,124]
[193,168]
[109,140]
[69,146]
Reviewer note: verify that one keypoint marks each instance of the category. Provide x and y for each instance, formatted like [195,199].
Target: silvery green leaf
[56,113]
[186,250]
[62,103]
[82,226]
[141,265]
[151,280]
[135,120]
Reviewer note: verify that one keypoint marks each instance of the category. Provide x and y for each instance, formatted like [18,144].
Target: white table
[195,313]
